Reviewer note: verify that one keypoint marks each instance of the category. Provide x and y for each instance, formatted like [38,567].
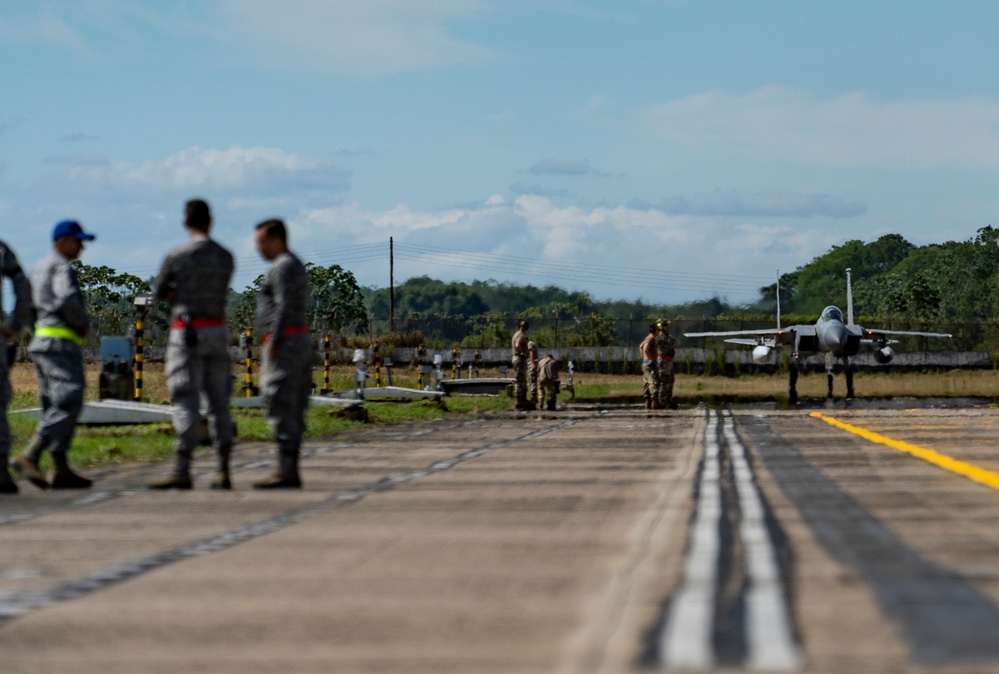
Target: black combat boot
[180,478]
[7,484]
[285,477]
[222,479]
[26,463]
[63,476]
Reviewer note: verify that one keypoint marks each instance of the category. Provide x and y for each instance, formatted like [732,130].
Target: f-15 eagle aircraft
[829,335]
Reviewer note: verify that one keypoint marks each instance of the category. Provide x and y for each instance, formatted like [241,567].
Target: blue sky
[668,150]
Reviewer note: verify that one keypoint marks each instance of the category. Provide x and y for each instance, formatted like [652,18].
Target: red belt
[288,332]
[665,357]
[198,323]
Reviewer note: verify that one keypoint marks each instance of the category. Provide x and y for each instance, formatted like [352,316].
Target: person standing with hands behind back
[286,378]
[61,329]
[194,279]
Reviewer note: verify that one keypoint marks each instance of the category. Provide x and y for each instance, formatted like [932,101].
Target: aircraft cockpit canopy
[832,314]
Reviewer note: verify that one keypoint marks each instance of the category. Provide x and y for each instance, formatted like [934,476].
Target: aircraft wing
[875,333]
[750,342]
[735,333]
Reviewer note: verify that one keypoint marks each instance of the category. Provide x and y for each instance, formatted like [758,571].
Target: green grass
[106,445]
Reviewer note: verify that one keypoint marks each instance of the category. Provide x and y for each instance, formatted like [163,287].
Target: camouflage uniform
[286,379]
[518,346]
[57,349]
[195,277]
[532,371]
[548,381]
[22,317]
[649,376]
[666,346]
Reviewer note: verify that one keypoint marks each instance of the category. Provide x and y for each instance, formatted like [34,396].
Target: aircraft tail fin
[849,299]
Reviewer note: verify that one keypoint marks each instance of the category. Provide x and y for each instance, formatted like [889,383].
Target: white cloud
[232,169]
[561,167]
[37,28]
[763,204]
[373,37]
[849,130]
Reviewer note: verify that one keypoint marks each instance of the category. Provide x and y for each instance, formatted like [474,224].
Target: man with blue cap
[61,327]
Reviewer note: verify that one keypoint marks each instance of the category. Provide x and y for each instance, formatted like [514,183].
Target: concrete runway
[820,539]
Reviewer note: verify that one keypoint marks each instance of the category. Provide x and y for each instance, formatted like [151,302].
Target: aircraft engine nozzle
[884,355]
[761,354]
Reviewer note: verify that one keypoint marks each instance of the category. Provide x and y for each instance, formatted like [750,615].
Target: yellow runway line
[970,471]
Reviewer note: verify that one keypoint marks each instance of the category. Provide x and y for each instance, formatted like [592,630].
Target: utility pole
[391,286]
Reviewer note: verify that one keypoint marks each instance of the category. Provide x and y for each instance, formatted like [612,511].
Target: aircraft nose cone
[834,337]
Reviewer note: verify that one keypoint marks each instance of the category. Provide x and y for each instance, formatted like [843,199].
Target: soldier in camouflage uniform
[532,372]
[61,328]
[194,279]
[649,376]
[548,381]
[286,380]
[21,317]
[666,346]
[519,357]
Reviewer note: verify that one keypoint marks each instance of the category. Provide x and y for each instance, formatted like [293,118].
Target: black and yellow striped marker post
[376,362]
[139,327]
[326,364]
[420,356]
[250,390]
[454,362]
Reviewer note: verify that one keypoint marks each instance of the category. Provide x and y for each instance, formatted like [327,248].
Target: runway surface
[828,538]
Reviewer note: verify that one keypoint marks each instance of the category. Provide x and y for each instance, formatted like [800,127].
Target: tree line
[337,303]
[947,287]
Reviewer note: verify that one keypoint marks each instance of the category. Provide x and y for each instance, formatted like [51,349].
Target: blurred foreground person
[61,329]
[21,318]
[194,280]
[286,377]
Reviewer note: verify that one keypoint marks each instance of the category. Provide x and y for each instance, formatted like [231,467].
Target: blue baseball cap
[71,228]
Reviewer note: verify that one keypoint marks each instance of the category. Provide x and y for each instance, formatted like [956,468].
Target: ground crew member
[532,372]
[649,377]
[519,360]
[22,317]
[286,378]
[548,381]
[61,327]
[666,348]
[194,279]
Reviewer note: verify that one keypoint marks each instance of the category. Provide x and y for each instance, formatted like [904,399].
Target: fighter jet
[829,335]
